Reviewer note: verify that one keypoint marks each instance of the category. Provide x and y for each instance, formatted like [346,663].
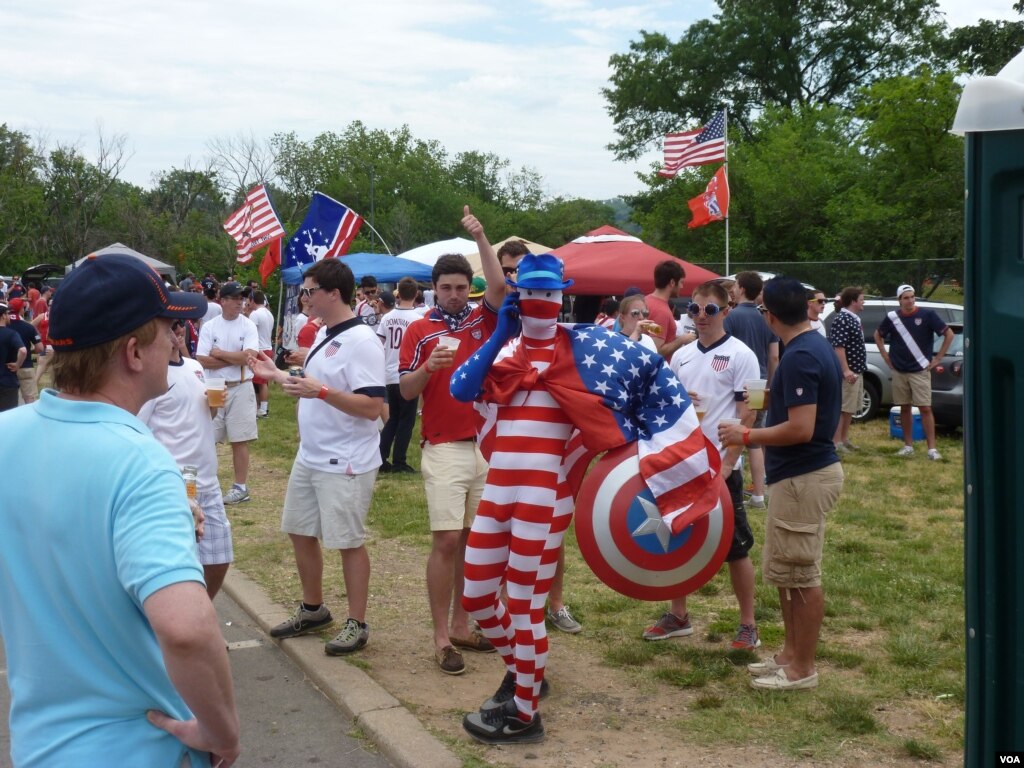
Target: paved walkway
[298,706]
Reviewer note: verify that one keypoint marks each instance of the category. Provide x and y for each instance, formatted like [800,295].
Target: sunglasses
[177,325]
[307,292]
[816,301]
[710,309]
[639,313]
[509,270]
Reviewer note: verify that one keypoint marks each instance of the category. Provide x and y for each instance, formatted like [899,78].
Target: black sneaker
[507,690]
[502,725]
[403,468]
[302,622]
[386,467]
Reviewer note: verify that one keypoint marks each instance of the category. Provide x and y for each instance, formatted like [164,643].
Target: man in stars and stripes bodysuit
[547,383]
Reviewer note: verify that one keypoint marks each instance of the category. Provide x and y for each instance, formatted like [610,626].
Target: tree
[75,193]
[757,54]
[986,47]
[22,213]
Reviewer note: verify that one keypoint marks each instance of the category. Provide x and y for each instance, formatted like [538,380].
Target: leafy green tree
[985,48]
[757,54]
[22,213]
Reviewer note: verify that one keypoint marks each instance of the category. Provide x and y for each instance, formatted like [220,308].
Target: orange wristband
[324,391]
[746,436]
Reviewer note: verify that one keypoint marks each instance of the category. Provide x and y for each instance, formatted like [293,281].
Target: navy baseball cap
[111,295]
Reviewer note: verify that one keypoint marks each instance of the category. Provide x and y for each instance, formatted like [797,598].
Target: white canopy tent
[431,252]
[164,269]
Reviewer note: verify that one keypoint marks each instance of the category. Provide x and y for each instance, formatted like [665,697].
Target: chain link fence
[877,278]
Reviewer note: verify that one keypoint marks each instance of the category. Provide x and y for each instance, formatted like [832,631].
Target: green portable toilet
[991,115]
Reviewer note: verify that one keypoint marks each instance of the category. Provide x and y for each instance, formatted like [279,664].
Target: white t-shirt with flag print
[331,440]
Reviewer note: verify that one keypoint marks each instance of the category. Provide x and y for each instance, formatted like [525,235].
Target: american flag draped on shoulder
[698,147]
[616,392]
[255,224]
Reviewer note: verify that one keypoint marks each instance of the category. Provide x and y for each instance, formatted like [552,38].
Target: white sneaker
[934,454]
[906,450]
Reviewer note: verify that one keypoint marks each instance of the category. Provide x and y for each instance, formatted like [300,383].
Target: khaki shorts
[853,395]
[28,384]
[328,506]
[236,421]
[912,388]
[454,475]
[794,528]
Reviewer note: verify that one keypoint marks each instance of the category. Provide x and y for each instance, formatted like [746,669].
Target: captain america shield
[627,544]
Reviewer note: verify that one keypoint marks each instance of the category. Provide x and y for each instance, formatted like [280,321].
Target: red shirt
[445,419]
[661,314]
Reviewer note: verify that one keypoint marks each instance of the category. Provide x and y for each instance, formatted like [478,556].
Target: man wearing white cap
[910,332]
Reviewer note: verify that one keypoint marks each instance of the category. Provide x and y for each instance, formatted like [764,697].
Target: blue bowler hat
[542,272]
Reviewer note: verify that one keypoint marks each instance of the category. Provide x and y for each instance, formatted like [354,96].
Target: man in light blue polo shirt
[114,652]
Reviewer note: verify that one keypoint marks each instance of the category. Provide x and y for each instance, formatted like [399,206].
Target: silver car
[878,377]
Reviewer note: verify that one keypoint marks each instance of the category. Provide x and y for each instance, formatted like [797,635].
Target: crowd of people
[478,360]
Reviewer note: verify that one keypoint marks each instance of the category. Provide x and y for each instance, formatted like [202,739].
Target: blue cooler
[896,428]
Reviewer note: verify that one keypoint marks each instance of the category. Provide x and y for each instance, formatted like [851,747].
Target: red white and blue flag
[255,224]
[327,231]
[616,392]
[697,147]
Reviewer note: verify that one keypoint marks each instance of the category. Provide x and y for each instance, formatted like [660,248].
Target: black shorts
[742,537]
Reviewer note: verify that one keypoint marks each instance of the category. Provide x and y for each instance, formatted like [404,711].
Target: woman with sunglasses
[633,322]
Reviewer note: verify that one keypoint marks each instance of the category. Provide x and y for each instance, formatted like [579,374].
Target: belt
[230,384]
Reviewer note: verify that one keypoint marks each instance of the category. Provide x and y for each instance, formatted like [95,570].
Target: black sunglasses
[509,270]
[710,309]
[177,325]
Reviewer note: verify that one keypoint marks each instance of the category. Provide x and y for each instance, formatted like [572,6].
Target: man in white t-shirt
[713,371]
[815,306]
[397,432]
[264,320]
[340,394]
[226,344]
[369,308]
[181,420]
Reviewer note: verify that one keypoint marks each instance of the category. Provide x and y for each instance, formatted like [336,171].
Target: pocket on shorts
[795,552]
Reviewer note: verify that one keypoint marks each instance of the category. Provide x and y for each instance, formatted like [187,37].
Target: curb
[391,727]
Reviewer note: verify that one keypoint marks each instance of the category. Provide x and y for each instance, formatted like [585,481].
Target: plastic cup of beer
[755,393]
[700,407]
[216,393]
[449,342]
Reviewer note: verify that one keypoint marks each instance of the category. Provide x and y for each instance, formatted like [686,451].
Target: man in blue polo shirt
[114,650]
[804,481]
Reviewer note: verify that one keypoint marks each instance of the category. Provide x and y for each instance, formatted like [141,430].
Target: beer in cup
[755,393]
[216,392]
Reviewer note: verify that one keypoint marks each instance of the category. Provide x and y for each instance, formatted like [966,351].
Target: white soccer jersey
[716,373]
[331,440]
[264,320]
[180,419]
[391,330]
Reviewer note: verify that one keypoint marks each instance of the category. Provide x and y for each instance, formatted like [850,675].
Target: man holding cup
[804,477]
[714,370]
[453,469]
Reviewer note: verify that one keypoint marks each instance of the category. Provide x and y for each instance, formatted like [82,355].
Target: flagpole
[386,248]
[726,163]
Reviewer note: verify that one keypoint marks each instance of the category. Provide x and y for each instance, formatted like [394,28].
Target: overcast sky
[518,79]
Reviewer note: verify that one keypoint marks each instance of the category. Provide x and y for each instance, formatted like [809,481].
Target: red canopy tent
[606,261]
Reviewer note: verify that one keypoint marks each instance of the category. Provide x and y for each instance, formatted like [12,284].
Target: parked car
[878,377]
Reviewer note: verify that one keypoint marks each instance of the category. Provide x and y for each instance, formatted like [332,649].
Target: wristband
[746,436]
[324,391]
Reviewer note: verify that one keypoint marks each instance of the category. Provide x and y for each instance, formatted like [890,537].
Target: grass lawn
[892,649]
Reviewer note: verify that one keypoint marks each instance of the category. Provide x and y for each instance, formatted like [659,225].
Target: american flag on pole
[254,224]
[698,147]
